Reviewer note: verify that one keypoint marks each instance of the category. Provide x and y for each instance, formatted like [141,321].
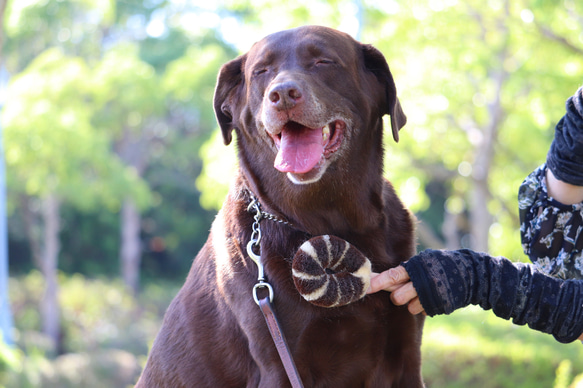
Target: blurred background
[113,168]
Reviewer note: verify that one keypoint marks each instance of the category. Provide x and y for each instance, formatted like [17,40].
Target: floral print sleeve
[551,232]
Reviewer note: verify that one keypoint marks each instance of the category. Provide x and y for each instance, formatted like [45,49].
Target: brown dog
[307,106]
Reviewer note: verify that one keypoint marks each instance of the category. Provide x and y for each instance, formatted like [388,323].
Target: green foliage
[130,129]
[159,51]
[126,90]
[217,172]
[448,59]
[107,333]
[259,18]
[10,361]
[75,25]
[190,80]
[563,374]
[104,80]
[474,348]
[51,143]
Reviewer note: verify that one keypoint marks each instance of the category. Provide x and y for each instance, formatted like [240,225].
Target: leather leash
[265,303]
[280,343]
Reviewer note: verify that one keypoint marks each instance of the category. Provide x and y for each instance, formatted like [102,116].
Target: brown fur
[213,333]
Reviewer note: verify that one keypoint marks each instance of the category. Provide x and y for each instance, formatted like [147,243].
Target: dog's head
[308,96]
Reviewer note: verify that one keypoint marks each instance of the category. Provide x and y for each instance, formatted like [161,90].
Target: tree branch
[427,236]
[550,34]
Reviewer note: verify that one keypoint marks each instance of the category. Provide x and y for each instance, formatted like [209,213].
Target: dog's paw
[329,272]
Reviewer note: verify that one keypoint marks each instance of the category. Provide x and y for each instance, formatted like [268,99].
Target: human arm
[550,200]
[563,192]
[444,281]
[565,156]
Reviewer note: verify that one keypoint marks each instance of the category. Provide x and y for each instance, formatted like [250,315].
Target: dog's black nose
[285,95]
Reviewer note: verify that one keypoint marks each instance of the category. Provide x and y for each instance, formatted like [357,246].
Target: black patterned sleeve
[551,232]
[449,280]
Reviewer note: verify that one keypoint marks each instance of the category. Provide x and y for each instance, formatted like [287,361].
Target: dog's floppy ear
[398,119]
[230,80]
[375,62]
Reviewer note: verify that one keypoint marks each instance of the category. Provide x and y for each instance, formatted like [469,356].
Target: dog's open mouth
[302,149]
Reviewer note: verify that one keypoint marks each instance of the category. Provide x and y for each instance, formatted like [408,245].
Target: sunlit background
[115,167]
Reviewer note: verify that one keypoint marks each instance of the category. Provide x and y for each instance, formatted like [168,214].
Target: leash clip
[254,242]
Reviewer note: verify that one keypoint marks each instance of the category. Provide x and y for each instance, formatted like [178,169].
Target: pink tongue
[300,149]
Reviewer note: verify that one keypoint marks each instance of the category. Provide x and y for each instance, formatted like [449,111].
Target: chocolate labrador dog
[306,105]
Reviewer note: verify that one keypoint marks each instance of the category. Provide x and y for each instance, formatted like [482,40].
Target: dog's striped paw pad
[329,272]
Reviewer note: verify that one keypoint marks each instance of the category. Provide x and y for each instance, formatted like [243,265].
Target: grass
[474,348]
[107,334]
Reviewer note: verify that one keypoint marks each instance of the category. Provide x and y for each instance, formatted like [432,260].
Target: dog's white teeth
[325,133]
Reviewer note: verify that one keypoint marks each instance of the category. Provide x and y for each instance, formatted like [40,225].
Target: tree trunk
[130,251]
[50,309]
[427,237]
[5,311]
[132,149]
[450,231]
[480,217]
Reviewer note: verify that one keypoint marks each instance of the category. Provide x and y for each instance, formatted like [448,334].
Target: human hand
[396,280]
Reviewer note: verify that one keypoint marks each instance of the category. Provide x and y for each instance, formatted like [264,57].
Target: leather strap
[280,343]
